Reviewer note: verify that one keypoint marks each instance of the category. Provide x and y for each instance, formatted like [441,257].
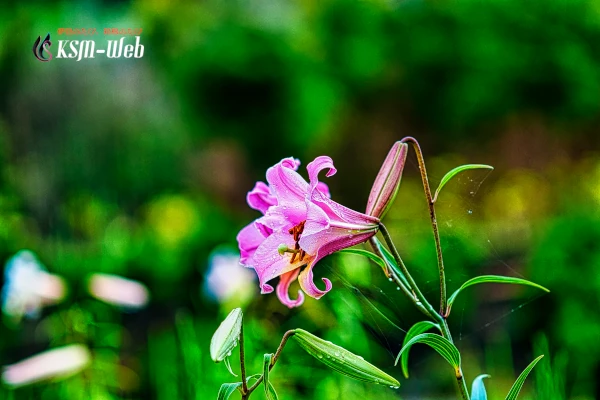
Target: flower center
[296,231]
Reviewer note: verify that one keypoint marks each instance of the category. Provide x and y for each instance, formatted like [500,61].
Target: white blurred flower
[227,278]
[118,291]
[56,363]
[28,286]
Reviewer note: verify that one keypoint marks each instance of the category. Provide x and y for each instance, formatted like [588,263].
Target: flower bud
[226,336]
[387,181]
[341,360]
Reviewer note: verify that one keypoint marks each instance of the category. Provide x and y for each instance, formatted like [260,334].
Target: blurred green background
[140,168]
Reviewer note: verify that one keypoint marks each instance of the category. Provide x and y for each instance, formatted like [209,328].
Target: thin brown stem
[243,364]
[276,356]
[434,224]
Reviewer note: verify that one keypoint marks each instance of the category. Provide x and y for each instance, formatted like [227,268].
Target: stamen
[296,231]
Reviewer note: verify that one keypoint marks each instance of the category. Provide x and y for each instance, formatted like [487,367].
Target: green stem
[434,224]
[411,282]
[428,308]
[243,365]
[394,276]
[284,340]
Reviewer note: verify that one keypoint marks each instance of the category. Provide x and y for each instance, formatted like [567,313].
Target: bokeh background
[140,168]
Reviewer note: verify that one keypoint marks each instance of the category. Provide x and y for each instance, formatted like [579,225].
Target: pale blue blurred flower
[226,278]
[28,286]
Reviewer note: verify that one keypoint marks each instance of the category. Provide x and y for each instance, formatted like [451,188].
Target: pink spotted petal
[334,239]
[265,288]
[249,239]
[306,283]
[287,184]
[316,222]
[340,215]
[316,166]
[267,262]
[283,287]
[260,198]
[323,188]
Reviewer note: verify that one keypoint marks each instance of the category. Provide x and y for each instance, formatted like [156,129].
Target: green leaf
[491,279]
[227,390]
[341,360]
[478,389]
[415,330]
[455,172]
[372,256]
[266,369]
[440,344]
[227,335]
[390,261]
[518,385]
[272,394]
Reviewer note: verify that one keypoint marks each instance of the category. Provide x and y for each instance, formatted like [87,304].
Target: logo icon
[40,48]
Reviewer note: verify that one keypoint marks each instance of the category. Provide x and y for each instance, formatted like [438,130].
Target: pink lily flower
[300,225]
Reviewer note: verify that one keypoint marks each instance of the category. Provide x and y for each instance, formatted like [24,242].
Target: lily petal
[260,198]
[306,283]
[290,189]
[316,222]
[268,263]
[343,215]
[249,239]
[286,183]
[323,188]
[283,289]
[316,166]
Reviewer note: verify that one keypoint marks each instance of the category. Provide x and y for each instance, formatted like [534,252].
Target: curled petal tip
[265,288]
[308,285]
[387,181]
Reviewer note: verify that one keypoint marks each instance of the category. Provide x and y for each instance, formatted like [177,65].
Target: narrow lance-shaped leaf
[270,392]
[415,330]
[227,390]
[227,335]
[440,344]
[456,171]
[491,279]
[342,360]
[478,389]
[518,385]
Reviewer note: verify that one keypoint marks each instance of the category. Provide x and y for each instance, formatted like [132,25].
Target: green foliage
[270,392]
[491,279]
[342,360]
[415,330]
[371,256]
[227,389]
[451,174]
[440,344]
[518,385]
